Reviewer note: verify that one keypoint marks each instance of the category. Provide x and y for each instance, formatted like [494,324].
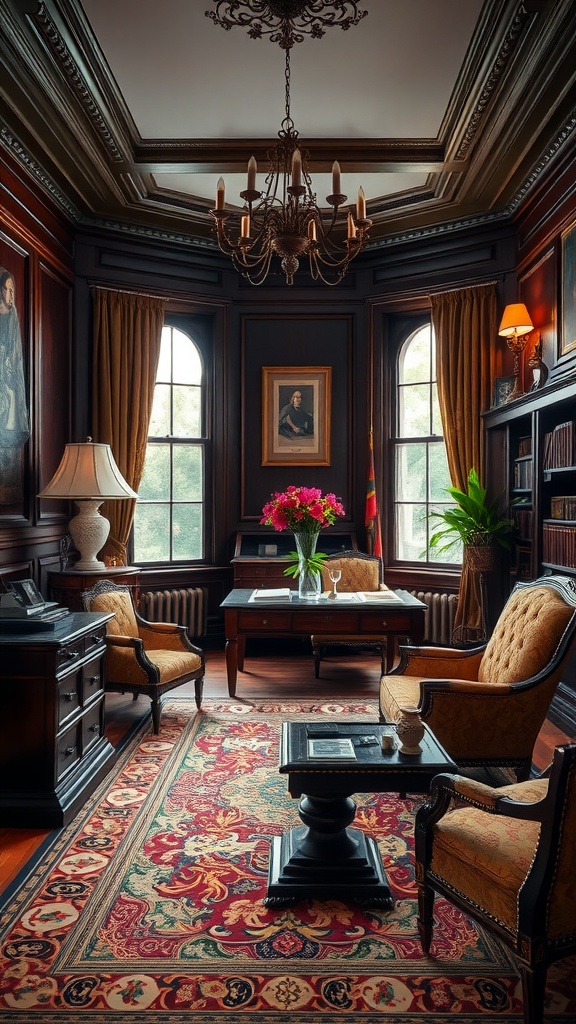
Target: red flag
[372,518]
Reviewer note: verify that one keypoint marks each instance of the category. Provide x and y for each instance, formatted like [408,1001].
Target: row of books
[524,519]
[523,474]
[524,446]
[563,506]
[559,545]
[560,446]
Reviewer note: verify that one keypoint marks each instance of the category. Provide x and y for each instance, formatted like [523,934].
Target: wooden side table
[66,587]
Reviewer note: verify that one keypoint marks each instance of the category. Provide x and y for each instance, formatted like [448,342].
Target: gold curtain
[127,335]
[465,322]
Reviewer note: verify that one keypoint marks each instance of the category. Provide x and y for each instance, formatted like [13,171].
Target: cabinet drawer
[68,697]
[263,619]
[326,622]
[67,751]
[92,681]
[68,655]
[94,640]
[92,726]
[385,622]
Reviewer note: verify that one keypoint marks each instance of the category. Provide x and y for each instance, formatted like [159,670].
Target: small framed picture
[296,415]
[568,332]
[503,387]
[27,593]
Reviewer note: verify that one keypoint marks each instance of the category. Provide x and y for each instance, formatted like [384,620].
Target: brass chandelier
[285,220]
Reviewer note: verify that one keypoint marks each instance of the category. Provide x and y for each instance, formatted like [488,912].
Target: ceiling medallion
[286,21]
[285,220]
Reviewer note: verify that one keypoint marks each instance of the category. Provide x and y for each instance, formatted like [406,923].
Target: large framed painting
[14,416]
[296,415]
[568,312]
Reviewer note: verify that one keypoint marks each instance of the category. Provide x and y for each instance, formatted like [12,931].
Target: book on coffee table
[331,749]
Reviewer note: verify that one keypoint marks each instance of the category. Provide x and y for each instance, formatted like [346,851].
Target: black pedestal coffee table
[324,858]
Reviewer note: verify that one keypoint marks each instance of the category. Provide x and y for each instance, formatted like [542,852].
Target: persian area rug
[149,906]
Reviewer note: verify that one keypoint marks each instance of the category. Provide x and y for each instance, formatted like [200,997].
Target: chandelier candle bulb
[251,181]
[296,167]
[245,229]
[361,205]
[351,226]
[220,194]
[336,178]
[312,230]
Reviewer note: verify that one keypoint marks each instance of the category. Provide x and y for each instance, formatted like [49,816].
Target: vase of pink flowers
[304,511]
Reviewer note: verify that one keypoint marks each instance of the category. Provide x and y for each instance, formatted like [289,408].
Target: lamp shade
[88,471]
[515,321]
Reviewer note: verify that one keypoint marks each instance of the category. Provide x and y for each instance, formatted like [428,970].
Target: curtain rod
[449,291]
[126,291]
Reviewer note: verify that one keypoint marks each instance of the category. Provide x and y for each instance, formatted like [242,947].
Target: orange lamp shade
[515,321]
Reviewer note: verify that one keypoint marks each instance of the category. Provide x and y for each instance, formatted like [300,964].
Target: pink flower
[301,509]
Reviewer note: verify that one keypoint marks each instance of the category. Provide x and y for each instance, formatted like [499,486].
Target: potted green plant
[475,522]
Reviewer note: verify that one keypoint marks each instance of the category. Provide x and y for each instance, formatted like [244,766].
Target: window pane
[164,371]
[410,532]
[415,358]
[411,472]
[414,410]
[152,533]
[439,475]
[155,483]
[160,419]
[187,484]
[187,411]
[187,531]
[454,555]
[187,366]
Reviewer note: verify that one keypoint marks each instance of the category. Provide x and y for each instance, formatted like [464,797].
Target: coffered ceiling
[128,111]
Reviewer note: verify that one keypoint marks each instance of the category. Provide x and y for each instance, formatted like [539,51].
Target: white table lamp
[88,475]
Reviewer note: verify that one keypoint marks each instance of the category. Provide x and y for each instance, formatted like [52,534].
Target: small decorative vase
[410,731]
[309,582]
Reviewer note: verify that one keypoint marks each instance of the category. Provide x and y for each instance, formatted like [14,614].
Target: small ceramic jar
[410,731]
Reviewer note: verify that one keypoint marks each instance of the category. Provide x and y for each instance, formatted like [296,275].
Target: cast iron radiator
[188,607]
[439,617]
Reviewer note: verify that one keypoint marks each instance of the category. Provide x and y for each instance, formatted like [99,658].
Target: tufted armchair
[486,706]
[143,657]
[507,858]
[360,572]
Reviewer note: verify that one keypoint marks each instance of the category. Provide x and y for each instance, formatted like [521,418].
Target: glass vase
[309,582]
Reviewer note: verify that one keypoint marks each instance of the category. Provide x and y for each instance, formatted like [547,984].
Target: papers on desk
[276,594]
[331,750]
[349,596]
[379,595]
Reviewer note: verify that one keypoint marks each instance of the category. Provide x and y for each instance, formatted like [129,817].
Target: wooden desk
[66,586]
[243,618]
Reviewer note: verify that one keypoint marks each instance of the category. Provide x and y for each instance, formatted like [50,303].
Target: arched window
[421,469]
[169,518]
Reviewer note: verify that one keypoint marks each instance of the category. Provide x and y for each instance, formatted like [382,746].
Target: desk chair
[359,572]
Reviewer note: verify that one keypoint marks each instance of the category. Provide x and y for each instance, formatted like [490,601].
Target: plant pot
[480,558]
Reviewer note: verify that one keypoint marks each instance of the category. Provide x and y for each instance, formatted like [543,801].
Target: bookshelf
[531,461]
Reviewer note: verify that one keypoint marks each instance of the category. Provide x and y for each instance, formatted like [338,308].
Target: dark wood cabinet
[53,749]
[259,556]
[66,586]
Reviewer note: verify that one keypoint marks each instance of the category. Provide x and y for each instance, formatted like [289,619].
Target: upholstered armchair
[143,657]
[360,572]
[507,858]
[487,705]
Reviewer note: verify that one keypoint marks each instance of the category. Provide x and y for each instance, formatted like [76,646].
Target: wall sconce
[514,326]
[88,475]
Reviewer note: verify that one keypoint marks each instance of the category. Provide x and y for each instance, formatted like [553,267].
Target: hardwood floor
[272,669]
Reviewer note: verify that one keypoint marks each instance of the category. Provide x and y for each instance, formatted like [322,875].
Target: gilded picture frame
[568,312]
[296,410]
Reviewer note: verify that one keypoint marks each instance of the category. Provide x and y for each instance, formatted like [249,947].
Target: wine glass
[335,576]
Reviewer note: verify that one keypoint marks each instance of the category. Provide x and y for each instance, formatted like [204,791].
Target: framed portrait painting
[296,415]
[568,333]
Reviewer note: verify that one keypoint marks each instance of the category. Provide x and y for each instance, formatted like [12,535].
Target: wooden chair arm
[438,662]
[118,640]
[487,798]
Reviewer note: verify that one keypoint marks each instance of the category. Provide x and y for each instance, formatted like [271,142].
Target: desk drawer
[326,622]
[279,621]
[68,697]
[384,621]
[92,682]
[67,751]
